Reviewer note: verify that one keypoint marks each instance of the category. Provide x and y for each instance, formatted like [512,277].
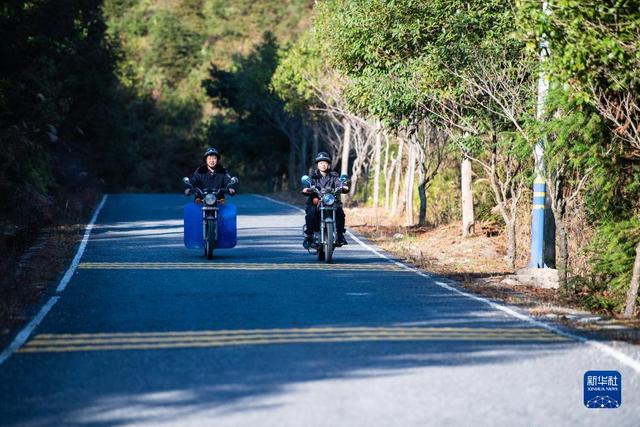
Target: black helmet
[323,157]
[211,152]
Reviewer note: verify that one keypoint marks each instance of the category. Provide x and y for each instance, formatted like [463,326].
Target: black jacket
[205,179]
[331,180]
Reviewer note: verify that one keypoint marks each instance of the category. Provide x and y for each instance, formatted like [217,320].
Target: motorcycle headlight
[210,199]
[328,199]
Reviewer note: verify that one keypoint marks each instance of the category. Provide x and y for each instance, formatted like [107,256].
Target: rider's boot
[308,241]
[341,241]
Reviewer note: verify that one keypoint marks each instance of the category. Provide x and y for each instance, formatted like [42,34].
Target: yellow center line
[48,342]
[265,341]
[378,265]
[236,266]
[200,339]
[295,330]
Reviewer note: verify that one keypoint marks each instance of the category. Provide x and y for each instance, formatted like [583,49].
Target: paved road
[149,333]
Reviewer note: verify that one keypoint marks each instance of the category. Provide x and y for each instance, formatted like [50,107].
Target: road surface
[149,333]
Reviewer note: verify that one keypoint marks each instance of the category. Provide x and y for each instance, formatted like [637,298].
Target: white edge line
[24,334]
[76,260]
[289,205]
[617,354]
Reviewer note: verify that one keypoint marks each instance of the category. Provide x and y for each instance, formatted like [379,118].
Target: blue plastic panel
[193,226]
[227,226]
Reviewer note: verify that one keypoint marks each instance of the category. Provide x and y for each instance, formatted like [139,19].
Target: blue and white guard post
[540,185]
[537,223]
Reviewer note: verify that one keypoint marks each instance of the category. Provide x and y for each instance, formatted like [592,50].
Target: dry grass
[440,250]
[28,274]
[478,264]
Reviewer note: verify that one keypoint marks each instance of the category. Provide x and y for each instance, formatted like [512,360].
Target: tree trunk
[563,256]
[292,168]
[468,218]
[387,175]
[353,186]
[365,194]
[304,151]
[632,295]
[376,168]
[355,179]
[346,148]
[396,184]
[549,248]
[315,148]
[422,192]
[411,171]
[511,244]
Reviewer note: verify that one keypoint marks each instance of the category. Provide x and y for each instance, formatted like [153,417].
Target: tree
[404,57]
[570,158]
[245,90]
[593,50]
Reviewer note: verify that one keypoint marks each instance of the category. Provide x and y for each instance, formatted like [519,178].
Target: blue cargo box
[227,226]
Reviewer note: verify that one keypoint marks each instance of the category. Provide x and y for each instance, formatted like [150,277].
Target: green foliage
[591,43]
[571,129]
[112,89]
[398,53]
[613,251]
[174,48]
[245,87]
[579,142]
[593,65]
[169,49]
[57,83]
[252,113]
[302,66]
[443,196]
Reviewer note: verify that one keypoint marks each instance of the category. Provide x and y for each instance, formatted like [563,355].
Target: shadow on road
[162,386]
[121,386]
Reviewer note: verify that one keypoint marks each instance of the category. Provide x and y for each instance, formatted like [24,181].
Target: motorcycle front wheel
[210,240]
[329,244]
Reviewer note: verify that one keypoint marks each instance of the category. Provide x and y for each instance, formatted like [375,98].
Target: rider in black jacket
[323,177]
[212,175]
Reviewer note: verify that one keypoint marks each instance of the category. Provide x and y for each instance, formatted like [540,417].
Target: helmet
[323,157]
[211,152]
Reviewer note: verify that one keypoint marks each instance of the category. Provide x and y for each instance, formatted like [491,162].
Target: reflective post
[537,223]
[539,185]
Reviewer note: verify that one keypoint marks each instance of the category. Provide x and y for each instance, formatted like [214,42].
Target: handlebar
[318,191]
[202,193]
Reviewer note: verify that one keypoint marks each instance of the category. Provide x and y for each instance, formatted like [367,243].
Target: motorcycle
[211,235]
[324,240]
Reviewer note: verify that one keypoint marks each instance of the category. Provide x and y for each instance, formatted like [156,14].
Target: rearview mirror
[305,180]
[186,181]
[233,180]
[344,178]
